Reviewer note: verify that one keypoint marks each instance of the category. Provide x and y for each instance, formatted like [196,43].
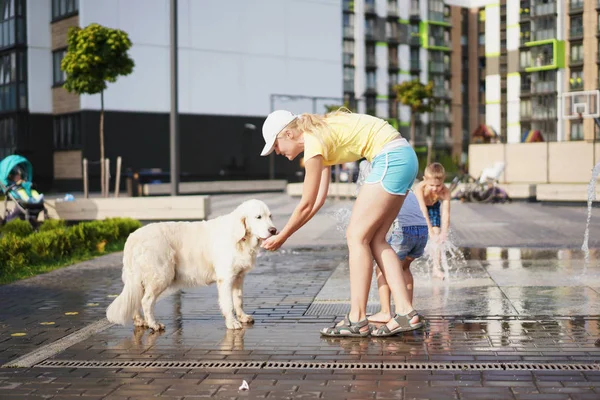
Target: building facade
[234,55]
[387,42]
[536,51]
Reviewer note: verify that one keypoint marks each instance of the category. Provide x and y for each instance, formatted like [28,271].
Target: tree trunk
[102,175]
[412,129]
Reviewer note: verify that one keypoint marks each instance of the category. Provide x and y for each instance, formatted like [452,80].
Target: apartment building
[233,56]
[387,42]
[536,51]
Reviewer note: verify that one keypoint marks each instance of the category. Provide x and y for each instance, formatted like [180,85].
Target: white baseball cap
[274,124]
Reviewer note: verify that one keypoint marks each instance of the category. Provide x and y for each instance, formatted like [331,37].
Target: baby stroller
[16,173]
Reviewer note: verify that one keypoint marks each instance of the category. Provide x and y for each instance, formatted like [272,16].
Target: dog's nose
[272,231]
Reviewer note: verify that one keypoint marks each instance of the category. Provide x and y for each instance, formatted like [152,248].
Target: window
[8,134]
[58,75]
[13,85]
[371,80]
[576,29]
[576,130]
[577,52]
[371,105]
[525,59]
[348,52]
[525,108]
[12,23]
[576,80]
[349,79]
[64,8]
[67,131]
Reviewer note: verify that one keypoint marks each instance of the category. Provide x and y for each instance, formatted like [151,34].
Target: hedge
[21,247]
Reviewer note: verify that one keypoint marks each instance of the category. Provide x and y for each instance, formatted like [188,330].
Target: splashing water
[591,197]
[451,257]
[342,217]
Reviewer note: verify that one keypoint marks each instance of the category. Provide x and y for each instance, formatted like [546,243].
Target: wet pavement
[509,323]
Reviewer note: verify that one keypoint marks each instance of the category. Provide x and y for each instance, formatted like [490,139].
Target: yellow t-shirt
[354,136]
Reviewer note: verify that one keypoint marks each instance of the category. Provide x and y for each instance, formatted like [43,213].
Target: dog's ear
[239,230]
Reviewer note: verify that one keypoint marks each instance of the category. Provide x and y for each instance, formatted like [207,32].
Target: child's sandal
[404,325]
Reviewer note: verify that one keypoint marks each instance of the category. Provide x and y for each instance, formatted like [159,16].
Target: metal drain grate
[335,309]
[150,364]
[424,366]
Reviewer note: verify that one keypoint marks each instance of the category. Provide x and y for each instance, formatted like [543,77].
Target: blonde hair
[317,126]
[435,171]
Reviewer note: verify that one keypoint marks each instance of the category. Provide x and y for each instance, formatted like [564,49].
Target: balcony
[437,67]
[348,59]
[544,9]
[348,32]
[440,117]
[415,66]
[525,88]
[437,16]
[546,55]
[576,32]
[348,5]
[437,43]
[392,9]
[370,61]
[543,87]
[414,14]
[543,112]
[370,7]
[393,62]
[349,86]
[545,34]
[440,91]
[414,40]
[392,88]
[525,12]
[575,6]
[575,84]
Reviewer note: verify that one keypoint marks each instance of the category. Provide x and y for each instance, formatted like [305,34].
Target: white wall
[39,57]
[233,54]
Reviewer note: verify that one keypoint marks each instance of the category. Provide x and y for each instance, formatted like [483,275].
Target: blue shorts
[414,240]
[395,169]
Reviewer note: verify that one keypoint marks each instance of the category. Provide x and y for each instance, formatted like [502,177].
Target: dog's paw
[233,324]
[245,318]
[156,327]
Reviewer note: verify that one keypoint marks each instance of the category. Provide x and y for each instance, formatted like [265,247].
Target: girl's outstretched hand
[274,242]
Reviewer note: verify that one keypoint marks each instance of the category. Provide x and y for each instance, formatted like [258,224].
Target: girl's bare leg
[374,210]
[408,276]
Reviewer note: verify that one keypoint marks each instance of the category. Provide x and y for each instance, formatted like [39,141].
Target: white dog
[171,255]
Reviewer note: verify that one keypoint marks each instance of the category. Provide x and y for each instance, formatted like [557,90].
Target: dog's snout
[272,231]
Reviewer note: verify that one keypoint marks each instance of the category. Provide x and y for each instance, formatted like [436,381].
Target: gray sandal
[347,329]
[404,325]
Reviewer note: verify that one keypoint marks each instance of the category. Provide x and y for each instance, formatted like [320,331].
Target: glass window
[58,75]
[67,131]
[576,130]
[8,134]
[12,24]
[371,80]
[13,84]
[64,8]
[577,52]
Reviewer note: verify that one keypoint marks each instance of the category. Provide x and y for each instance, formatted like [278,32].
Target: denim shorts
[414,240]
[395,169]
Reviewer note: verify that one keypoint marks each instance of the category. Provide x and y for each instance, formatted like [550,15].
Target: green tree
[96,55]
[419,98]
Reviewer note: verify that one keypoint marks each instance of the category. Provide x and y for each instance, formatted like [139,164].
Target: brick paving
[280,291]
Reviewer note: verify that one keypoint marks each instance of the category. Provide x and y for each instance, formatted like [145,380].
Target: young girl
[337,138]
[434,199]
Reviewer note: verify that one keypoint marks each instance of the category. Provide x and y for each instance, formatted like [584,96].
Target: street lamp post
[174,117]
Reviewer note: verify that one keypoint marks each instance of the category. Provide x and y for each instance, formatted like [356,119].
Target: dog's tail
[121,310]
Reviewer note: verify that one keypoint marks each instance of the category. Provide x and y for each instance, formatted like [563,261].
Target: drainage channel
[311,365]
